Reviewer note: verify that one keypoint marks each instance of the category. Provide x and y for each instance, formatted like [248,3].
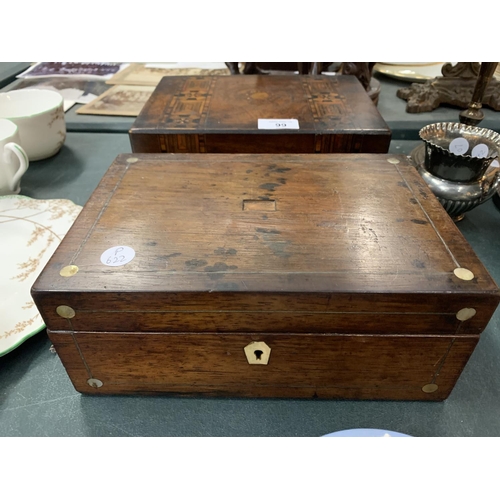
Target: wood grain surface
[343,264]
[355,243]
[217,114]
[300,366]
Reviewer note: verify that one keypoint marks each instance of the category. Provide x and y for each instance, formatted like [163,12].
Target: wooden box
[220,114]
[329,276]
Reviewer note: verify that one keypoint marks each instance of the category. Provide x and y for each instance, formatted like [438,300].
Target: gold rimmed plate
[410,73]
[415,72]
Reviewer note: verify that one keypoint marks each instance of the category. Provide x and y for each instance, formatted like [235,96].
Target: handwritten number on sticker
[459,146]
[115,260]
[117,256]
[269,124]
[480,151]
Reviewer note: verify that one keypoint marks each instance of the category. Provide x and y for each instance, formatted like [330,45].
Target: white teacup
[39,115]
[13,159]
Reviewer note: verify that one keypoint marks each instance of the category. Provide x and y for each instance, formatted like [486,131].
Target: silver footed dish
[458,152]
[457,198]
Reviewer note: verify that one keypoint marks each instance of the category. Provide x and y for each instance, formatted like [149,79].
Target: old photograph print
[119,100]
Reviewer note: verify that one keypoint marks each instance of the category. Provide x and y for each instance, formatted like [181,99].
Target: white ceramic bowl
[39,116]
[13,159]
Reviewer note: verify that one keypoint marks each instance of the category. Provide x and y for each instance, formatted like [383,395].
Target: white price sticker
[117,256]
[480,151]
[459,146]
[275,124]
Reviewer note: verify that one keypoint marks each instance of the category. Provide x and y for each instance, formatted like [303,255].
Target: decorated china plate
[366,433]
[410,72]
[416,72]
[30,232]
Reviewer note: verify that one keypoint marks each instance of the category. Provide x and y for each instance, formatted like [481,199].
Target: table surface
[38,399]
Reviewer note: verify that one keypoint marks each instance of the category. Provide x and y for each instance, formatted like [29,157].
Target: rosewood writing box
[220,114]
[329,276]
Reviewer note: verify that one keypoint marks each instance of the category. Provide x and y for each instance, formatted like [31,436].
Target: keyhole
[257,353]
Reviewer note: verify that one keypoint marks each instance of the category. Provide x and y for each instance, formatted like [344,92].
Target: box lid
[234,104]
[276,243]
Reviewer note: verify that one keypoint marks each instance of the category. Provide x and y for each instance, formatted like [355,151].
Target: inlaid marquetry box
[329,276]
[220,114]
